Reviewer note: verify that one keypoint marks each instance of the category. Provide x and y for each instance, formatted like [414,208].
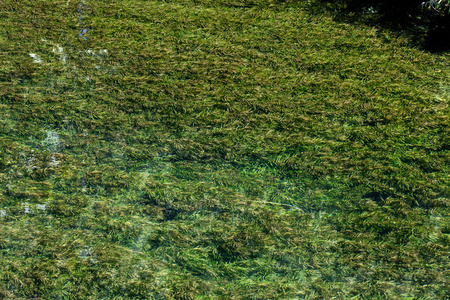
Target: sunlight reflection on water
[81,9]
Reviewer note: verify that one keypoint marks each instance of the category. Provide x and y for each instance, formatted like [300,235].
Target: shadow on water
[428,30]
[438,38]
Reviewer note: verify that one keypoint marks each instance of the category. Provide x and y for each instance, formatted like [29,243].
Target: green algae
[218,150]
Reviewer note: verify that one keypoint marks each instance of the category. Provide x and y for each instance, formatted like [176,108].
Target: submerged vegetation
[218,149]
[425,23]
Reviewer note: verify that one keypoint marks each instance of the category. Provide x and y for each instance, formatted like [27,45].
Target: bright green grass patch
[218,150]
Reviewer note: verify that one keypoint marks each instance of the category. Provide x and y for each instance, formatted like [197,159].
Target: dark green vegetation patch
[218,150]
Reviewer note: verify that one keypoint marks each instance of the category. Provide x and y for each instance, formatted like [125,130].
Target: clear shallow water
[121,195]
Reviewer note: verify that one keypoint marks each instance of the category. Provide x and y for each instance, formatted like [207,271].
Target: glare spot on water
[41,206]
[100,53]
[82,33]
[54,162]
[36,58]
[60,51]
[26,208]
[87,254]
[52,141]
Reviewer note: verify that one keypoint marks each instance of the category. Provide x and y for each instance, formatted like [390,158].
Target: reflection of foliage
[394,12]
[425,23]
[441,6]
